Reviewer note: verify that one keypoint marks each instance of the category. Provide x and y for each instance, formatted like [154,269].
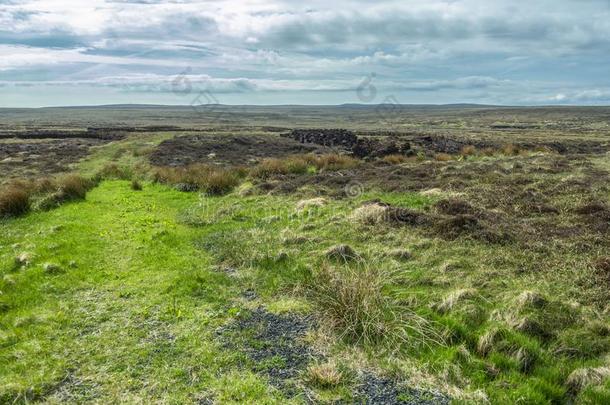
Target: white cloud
[472,48]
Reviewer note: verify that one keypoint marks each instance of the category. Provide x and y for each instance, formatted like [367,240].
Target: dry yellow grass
[14,201]
[394,159]
[369,214]
[325,375]
[443,157]
[584,377]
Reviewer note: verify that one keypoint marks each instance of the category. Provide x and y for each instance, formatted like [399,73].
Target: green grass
[131,311]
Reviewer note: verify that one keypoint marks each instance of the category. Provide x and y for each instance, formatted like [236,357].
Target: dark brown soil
[228,149]
[42,157]
[347,140]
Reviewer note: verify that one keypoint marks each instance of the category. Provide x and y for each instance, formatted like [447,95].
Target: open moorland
[353,254]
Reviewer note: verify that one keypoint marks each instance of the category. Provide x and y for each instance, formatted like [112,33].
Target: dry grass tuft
[394,159]
[370,214]
[489,339]
[334,161]
[468,150]
[73,187]
[531,299]
[400,254]
[510,149]
[14,202]
[23,260]
[584,377]
[454,298]
[325,375]
[352,299]
[209,179]
[312,202]
[443,157]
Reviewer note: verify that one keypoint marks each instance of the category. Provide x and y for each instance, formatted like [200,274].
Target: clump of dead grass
[468,150]
[73,187]
[443,157]
[209,179]
[325,375]
[14,202]
[453,298]
[311,203]
[369,214]
[584,377]
[394,159]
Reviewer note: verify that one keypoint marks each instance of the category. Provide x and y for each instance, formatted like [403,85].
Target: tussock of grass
[113,171]
[136,185]
[369,214]
[325,375]
[443,157]
[352,299]
[209,179]
[510,149]
[20,195]
[334,161]
[453,298]
[584,377]
[344,253]
[73,187]
[394,159]
[468,150]
[531,299]
[312,202]
[301,164]
[14,202]
[489,339]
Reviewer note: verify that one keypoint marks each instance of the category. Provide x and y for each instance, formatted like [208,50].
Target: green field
[467,278]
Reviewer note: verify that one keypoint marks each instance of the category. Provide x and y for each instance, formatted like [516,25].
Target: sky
[504,52]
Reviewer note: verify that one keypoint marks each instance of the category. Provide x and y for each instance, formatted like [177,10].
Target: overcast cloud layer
[57,52]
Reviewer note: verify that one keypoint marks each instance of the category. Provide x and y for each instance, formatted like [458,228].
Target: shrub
[394,159]
[442,157]
[14,202]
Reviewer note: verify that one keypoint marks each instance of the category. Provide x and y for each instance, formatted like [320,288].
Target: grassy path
[126,312]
